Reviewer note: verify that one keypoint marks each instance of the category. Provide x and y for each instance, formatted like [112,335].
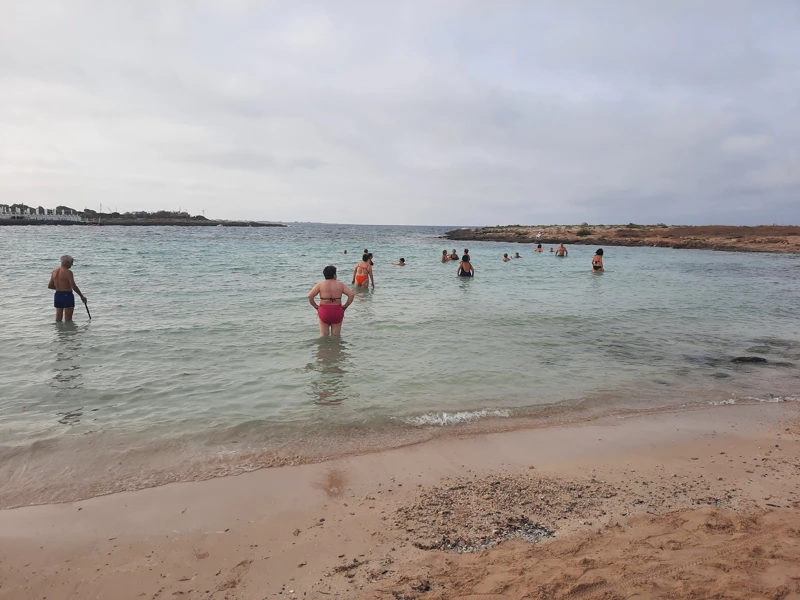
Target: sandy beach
[691,504]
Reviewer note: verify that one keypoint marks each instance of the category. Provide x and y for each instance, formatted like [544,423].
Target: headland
[21,214]
[761,238]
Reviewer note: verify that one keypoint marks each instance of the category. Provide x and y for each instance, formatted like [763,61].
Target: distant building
[27,213]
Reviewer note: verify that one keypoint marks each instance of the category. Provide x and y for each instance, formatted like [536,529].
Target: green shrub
[584,232]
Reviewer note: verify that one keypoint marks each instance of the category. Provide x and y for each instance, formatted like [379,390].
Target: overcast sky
[434,112]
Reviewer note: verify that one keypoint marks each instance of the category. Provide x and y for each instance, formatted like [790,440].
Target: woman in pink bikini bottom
[330,310]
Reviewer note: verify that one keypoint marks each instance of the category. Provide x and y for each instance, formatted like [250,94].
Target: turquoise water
[204,355]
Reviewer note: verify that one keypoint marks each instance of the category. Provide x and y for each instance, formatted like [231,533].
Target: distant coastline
[145,223]
[761,238]
[21,214]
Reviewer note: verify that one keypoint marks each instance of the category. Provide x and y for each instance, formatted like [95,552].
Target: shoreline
[762,238]
[142,223]
[356,527]
[161,464]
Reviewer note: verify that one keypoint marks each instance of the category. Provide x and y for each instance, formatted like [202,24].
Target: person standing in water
[454,255]
[538,248]
[562,251]
[597,261]
[505,257]
[330,310]
[63,282]
[465,269]
[362,274]
[445,258]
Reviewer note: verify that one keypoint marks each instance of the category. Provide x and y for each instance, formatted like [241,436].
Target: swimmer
[597,261]
[538,248]
[551,249]
[465,269]
[454,255]
[562,251]
[345,251]
[330,310]
[402,263]
[445,257]
[516,255]
[505,258]
[362,273]
[63,282]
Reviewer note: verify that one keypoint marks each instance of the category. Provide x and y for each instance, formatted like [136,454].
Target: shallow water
[203,357]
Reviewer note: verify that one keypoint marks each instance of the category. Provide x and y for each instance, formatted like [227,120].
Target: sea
[203,356]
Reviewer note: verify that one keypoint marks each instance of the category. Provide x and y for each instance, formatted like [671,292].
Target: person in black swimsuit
[465,269]
[597,261]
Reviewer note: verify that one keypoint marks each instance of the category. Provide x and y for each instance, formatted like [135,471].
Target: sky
[418,113]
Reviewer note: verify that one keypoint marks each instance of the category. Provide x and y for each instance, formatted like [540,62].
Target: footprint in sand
[235,576]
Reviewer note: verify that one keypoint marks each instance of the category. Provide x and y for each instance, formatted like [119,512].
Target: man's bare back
[63,282]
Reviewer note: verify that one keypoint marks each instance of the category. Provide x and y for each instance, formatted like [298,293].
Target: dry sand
[695,504]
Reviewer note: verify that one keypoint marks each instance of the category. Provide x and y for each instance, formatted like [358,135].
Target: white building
[33,214]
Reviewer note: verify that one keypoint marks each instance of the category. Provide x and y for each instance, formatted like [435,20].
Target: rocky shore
[762,238]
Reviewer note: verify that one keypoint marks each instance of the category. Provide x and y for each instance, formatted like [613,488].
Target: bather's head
[67,261]
[329,272]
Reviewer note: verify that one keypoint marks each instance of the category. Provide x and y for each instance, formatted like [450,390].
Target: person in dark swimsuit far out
[597,261]
[465,268]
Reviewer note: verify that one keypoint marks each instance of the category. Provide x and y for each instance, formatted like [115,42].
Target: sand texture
[693,504]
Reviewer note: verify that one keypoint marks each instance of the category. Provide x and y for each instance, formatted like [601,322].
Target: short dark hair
[466,250]
[538,245]
[365,258]
[465,258]
[599,252]
[402,260]
[505,254]
[365,250]
[329,272]
[370,254]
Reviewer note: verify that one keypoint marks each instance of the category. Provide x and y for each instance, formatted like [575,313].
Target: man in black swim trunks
[63,282]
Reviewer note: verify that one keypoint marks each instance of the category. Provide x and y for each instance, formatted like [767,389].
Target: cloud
[418,113]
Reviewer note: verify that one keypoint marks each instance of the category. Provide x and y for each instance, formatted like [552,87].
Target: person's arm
[350,296]
[371,276]
[566,253]
[354,273]
[75,287]
[313,294]
[52,284]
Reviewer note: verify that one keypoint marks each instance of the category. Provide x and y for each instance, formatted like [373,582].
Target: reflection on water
[333,364]
[68,350]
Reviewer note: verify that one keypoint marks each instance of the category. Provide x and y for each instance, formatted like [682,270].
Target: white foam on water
[751,399]
[444,418]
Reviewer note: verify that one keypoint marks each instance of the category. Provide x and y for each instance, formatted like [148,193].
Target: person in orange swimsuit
[362,274]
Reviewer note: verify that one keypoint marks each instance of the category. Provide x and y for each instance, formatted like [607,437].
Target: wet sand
[690,504]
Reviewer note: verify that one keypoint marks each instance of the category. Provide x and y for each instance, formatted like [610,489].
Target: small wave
[442,419]
[752,400]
